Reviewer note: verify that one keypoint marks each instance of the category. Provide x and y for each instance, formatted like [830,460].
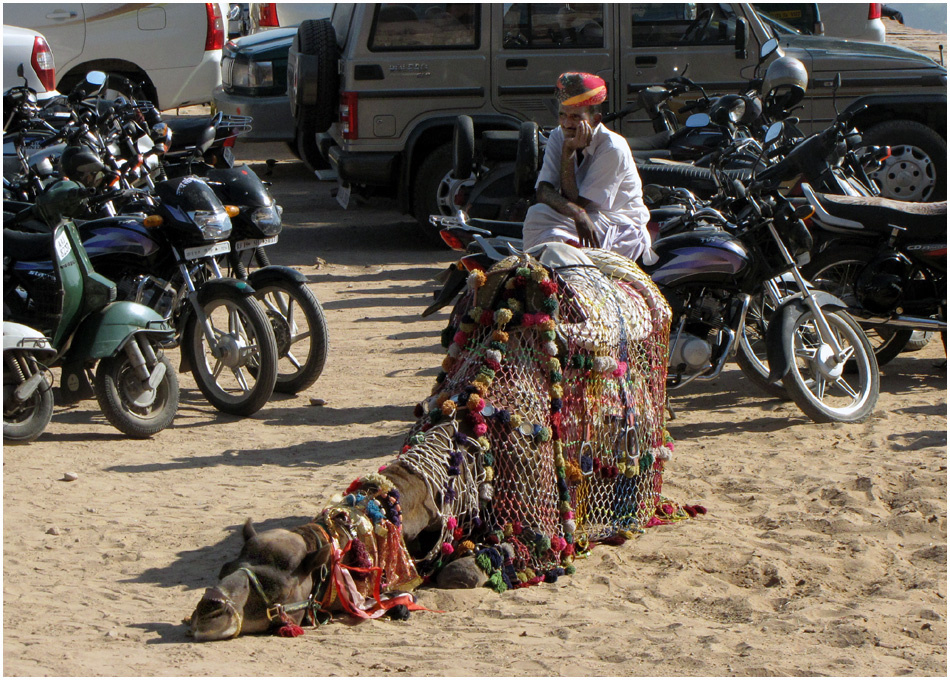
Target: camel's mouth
[215,618]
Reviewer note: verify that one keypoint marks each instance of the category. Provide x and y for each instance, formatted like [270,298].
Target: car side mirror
[741,51]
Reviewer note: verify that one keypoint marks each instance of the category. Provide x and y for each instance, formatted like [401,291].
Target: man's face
[569,117]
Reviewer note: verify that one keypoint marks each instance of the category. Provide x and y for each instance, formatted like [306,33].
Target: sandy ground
[823,553]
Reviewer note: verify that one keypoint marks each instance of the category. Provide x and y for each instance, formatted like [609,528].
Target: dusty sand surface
[823,553]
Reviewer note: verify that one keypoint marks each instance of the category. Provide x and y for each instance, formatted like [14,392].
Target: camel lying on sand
[545,434]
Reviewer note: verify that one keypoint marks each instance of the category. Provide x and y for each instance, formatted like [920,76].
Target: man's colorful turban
[580,89]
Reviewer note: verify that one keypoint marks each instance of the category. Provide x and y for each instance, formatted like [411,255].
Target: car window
[778,27]
[682,23]
[802,16]
[552,25]
[424,26]
[340,18]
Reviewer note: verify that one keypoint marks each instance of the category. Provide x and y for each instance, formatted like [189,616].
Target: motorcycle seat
[24,246]
[187,132]
[500,145]
[656,142]
[498,227]
[698,180]
[923,221]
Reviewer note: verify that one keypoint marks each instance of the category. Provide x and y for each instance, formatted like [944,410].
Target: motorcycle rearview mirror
[768,47]
[697,120]
[20,73]
[774,132]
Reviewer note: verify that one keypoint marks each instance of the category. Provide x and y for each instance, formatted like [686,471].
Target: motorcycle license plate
[343,195]
[249,243]
[207,251]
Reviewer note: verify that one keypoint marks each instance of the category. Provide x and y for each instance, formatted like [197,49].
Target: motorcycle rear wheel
[300,330]
[836,272]
[821,387]
[241,378]
[136,412]
[25,422]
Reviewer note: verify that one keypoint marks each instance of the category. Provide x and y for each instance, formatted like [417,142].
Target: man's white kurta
[607,177]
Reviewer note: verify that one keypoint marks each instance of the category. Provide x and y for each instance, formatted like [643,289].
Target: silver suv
[381,85]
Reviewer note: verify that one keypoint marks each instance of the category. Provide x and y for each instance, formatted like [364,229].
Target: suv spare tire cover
[316,38]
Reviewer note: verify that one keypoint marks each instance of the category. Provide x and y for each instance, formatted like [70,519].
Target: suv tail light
[43,64]
[214,37]
[348,115]
[268,14]
[874,10]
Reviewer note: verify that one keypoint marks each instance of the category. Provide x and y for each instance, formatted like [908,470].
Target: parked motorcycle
[168,260]
[27,391]
[53,287]
[710,277]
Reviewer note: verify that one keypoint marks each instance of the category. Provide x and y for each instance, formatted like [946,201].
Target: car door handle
[62,14]
[516,63]
[645,61]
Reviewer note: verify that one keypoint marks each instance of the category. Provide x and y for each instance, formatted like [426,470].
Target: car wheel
[917,167]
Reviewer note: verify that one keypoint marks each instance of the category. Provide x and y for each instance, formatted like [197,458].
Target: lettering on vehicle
[416,69]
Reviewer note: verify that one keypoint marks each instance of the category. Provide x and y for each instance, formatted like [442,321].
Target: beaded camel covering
[545,432]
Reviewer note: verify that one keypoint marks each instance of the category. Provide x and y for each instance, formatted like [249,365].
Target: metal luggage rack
[231,125]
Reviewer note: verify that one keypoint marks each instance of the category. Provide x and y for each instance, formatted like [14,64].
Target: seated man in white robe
[588,190]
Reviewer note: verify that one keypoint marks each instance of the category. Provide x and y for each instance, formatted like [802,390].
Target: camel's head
[274,567]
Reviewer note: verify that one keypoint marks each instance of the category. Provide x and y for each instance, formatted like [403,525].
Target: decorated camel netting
[545,431]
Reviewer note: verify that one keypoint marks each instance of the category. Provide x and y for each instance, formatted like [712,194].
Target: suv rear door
[412,61]
[62,24]
[533,43]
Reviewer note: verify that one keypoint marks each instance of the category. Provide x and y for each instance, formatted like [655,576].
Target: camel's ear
[316,559]
[249,532]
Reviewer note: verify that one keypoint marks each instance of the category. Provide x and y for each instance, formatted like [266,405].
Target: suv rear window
[552,25]
[424,26]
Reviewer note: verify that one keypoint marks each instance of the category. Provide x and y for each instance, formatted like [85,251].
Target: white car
[26,48]
[853,20]
[172,49]
[265,15]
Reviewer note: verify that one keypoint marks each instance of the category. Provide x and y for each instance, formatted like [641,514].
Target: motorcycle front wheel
[300,330]
[818,383]
[25,421]
[751,350]
[238,371]
[130,405]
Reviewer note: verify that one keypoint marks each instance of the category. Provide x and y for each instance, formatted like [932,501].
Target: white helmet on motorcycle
[784,85]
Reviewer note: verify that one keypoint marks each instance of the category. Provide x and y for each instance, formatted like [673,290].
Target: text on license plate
[207,251]
[249,243]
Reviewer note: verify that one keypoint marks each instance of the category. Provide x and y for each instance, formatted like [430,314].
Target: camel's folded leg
[462,573]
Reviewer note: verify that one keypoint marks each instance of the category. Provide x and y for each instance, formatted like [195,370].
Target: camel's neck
[314,534]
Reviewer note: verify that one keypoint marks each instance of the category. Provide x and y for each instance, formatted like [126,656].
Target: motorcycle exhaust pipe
[917,323]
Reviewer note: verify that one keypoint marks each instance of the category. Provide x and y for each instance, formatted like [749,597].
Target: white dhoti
[544,224]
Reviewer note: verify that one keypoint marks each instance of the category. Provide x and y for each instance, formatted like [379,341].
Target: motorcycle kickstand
[669,408]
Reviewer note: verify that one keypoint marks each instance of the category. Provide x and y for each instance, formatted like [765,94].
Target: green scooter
[50,285]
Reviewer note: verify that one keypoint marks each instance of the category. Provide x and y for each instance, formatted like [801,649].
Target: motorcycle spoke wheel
[24,422]
[837,275]
[818,383]
[751,352]
[131,406]
[236,373]
[300,330]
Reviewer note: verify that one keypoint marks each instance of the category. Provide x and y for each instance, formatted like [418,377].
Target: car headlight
[267,219]
[252,74]
[214,225]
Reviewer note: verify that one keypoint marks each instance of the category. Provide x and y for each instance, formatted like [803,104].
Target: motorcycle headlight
[214,225]
[737,111]
[267,219]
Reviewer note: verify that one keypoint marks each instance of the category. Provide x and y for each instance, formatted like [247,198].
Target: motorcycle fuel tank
[707,256]
[123,238]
